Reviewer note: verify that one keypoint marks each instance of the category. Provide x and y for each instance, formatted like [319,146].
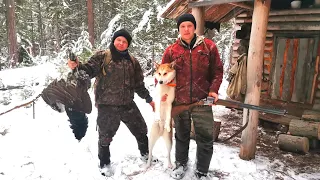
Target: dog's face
[165,73]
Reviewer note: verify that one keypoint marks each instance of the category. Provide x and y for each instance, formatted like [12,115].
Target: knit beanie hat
[186,17]
[124,33]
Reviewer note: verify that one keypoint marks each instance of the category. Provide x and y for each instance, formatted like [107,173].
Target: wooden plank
[314,83]
[277,68]
[299,83]
[301,26]
[284,120]
[254,77]
[283,67]
[286,96]
[309,68]
[295,11]
[293,18]
[294,65]
[212,2]
[171,8]
[242,5]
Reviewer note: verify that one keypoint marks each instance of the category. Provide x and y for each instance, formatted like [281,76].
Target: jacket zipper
[123,88]
[190,75]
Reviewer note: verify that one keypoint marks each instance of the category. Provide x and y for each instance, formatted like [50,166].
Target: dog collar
[171,84]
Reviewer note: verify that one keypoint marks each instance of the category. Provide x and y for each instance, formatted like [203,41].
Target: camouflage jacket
[122,79]
[199,69]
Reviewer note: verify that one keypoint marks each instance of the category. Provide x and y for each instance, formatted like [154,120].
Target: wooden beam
[212,2]
[254,77]
[199,14]
[292,18]
[301,26]
[295,12]
[242,5]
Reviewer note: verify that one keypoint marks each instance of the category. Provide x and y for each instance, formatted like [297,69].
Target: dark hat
[186,17]
[124,33]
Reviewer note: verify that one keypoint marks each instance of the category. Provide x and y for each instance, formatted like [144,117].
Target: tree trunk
[12,36]
[90,22]
[254,77]
[304,128]
[293,143]
[40,29]
[57,32]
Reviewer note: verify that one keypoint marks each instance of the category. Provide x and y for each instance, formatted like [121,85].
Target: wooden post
[199,13]
[254,76]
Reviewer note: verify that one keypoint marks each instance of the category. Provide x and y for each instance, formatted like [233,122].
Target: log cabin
[283,51]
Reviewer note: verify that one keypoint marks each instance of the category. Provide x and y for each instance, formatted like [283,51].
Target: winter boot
[106,169]
[200,175]
[179,171]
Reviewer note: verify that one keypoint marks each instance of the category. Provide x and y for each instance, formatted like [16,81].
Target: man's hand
[73,64]
[152,104]
[214,95]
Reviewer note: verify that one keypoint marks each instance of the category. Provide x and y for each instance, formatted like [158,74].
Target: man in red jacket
[199,74]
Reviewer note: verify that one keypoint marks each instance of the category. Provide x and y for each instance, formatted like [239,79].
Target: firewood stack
[303,134]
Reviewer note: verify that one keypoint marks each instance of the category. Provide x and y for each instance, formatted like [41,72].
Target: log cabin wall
[291,58]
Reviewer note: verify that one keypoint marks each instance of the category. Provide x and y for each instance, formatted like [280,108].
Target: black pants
[108,121]
[203,123]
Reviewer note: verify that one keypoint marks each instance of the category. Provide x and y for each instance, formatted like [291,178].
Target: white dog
[165,75]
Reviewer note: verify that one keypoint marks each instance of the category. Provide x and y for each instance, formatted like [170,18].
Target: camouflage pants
[108,121]
[203,124]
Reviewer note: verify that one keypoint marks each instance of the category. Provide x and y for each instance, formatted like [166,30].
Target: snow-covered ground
[44,147]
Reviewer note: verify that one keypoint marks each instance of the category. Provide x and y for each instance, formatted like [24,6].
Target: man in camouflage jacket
[116,82]
[199,74]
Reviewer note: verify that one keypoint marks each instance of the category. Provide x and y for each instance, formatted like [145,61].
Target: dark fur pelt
[78,123]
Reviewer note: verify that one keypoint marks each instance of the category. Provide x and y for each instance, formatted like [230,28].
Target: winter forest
[37,142]
[35,31]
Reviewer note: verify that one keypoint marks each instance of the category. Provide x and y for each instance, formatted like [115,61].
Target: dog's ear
[173,64]
[156,65]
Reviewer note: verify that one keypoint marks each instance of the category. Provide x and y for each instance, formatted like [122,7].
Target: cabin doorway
[294,68]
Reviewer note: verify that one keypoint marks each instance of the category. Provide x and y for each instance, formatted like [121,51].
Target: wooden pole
[199,13]
[254,77]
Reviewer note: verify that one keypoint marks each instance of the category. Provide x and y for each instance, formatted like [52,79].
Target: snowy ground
[45,147]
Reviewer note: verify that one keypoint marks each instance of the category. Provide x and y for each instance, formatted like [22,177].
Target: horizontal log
[242,5]
[210,3]
[293,143]
[304,128]
[301,26]
[311,115]
[294,12]
[295,18]
[275,118]
[269,34]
